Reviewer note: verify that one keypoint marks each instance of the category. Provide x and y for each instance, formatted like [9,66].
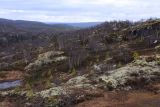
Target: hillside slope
[119,59]
[30,26]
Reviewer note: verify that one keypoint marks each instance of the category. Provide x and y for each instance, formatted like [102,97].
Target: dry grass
[124,99]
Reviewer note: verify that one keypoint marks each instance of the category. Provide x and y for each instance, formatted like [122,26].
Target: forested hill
[31,26]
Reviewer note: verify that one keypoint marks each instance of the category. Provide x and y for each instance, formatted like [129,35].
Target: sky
[79,10]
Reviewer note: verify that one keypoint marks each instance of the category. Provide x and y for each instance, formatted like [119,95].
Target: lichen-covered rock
[78,80]
[46,59]
[104,68]
[157,48]
[97,68]
[49,55]
[4,93]
[63,90]
[137,69]
[12,92]
[55,91]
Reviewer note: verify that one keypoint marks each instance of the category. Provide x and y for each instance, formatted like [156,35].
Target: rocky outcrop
[78,80]
[51,57]
[81,88]
[137,72]
[55,91]
[77,83]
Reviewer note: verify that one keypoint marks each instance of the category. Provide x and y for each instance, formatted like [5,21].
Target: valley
[113,64]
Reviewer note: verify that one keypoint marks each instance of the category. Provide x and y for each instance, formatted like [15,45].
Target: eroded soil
[10,75]
[124,99]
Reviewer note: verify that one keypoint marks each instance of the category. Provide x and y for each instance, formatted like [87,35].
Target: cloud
[79,10]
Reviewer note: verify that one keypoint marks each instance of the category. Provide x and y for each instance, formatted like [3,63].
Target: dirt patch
[10,75]
[12,101]
[124,99]
[7,103]
[153,87]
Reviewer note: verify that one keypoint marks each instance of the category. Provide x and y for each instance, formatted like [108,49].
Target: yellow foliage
[30,93]
[106,56]
[48,84]
[49,75]
[28,86]
[29,89]
[73,72]
[135,55]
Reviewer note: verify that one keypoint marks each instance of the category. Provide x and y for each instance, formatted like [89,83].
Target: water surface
[9,84]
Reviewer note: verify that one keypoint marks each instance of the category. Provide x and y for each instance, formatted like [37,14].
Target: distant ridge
[31,26]
[80,24]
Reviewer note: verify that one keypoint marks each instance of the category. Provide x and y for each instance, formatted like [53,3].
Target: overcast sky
[79,10]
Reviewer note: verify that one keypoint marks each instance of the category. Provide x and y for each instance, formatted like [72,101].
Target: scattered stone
[78,80]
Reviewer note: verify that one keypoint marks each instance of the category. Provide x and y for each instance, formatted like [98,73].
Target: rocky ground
[136,84]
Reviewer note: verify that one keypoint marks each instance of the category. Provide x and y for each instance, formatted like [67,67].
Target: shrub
[73,72]
[30,93]
[157,48]
[135,55]
[41,69]
[97,58]
[51,101]
[49,75]
[158,61]
[17,90]
[106,56]
[49,78]
[110,86]
[48,84]
[122,55]
[119,65]
[29,89]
